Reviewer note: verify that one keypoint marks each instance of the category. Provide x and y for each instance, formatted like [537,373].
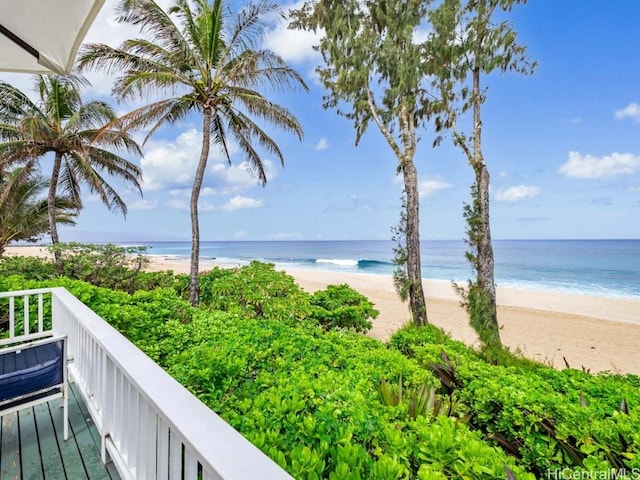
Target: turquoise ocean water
[596,267]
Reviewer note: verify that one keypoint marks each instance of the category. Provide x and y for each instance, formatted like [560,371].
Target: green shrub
[309,397]
[341,307]
[33,268]
[256,291]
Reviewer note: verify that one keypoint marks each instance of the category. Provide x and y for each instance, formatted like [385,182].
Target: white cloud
[518,193]
[430,186]
[240,234]
[241,176]
[143,205]
[293,45]
[630,111]
[322,144]
[239,203]
[588,166]
[171,165]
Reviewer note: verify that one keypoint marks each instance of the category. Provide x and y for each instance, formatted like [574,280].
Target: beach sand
[595,332]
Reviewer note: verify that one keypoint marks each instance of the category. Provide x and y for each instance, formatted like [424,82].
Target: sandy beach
[595,332]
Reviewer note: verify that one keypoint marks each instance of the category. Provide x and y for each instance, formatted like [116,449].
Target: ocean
[595,267]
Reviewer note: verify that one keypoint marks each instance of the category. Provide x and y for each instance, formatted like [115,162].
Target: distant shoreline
[597,332]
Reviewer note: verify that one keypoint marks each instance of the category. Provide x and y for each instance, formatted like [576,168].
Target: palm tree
[208,62]
[24,211]
[62,124]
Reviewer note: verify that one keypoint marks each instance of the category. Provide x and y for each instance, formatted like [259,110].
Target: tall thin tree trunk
[195,195]
[51,207]
[417,301]
[485,263]
[485,269]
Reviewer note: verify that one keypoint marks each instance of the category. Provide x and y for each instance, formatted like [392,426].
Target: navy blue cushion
[31,369]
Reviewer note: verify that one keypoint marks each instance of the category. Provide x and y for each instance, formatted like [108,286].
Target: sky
[562,147]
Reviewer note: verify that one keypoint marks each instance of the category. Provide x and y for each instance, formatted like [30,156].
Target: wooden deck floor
[32,444]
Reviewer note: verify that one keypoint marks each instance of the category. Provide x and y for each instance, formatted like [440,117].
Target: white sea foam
[338,261]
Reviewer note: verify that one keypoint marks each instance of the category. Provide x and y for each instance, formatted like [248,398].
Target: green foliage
[341,307]
[475,298]
[140,316]
[548,419]
[412,339]
[107,265]
[23,212]
[400,254]
[311,398]
[32,268]
[478,305]
[229,76]
[375,71]
[257,291]
[61,123]
[421,399]
[305,398]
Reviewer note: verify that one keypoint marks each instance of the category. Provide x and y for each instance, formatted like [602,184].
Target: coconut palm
[200,58]
[62,124]
[23,210]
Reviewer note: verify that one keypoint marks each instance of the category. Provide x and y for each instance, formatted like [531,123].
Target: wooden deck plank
[49,449]
[9,448]
[29,449]
[89,451]
[71,460]
[32,444]
[111,468]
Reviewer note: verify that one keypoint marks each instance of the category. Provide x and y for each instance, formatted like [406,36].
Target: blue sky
[562,145]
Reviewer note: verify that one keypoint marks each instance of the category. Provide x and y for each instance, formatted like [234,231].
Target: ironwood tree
[375,70]
[469,43]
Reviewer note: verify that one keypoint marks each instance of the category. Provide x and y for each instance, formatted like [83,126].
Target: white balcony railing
[151,426]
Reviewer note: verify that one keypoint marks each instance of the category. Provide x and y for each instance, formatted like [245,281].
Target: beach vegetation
[467,45]
[336,404]
[24,213]
[375,71]
[62,124]
[340,307]
[257,290]
[104,265]
[400,255]
[198,57]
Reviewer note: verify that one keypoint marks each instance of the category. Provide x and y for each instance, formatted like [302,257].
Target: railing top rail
[227,452]
[20,293]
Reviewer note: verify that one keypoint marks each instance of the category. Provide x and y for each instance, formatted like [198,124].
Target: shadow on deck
[32,444]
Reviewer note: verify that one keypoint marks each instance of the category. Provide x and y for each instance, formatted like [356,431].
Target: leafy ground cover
[290,372]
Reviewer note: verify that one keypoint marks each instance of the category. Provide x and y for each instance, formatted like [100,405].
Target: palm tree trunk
[51,208]
[417,302]
[195,195]
[485,263]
